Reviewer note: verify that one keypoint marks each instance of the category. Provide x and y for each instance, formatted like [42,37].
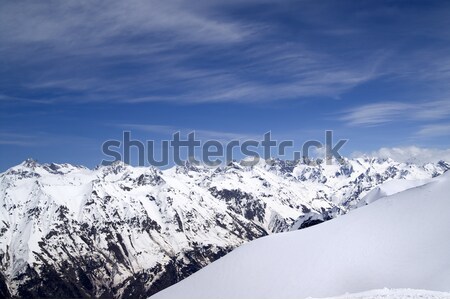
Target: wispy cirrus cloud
[145,51]
[70,23]
[434,130]
[374,114]
[388,112]
[209,51]
[200,133]
[8,138]
[44,139]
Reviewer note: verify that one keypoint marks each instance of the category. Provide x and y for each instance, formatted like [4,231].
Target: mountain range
[398,241]
[129,232]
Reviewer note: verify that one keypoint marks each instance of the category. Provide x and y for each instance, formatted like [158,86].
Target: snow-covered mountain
[398,241]
[120,231]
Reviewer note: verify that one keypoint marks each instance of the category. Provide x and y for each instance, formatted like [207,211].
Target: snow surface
[399,241]
[394,294]
[389,188]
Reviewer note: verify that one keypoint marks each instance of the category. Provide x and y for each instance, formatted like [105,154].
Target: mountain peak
[30,163]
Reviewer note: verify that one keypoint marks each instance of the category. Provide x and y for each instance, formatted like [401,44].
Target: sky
[74,74]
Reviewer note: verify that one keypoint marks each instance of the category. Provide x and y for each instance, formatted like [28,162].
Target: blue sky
[74,74]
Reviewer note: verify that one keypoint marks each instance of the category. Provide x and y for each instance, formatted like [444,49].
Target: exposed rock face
[125,232]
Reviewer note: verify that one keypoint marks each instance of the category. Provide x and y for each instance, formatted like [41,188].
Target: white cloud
[164,38]
[42,139]
[142,51]
[374,114]
[385,112]
[434,130]
[7,138]
[200,134]
[70,23]
[410,154]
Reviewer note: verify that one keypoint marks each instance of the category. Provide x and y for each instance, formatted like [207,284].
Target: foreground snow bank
[394,294]
[399,241]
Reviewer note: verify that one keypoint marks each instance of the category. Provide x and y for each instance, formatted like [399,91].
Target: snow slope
[389,188]
[394,294]
[399,241]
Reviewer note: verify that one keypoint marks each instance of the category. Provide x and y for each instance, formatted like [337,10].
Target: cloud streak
[93,24]
[145,51]
[201,133]
[388,112]
[434,130]
[204,52]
